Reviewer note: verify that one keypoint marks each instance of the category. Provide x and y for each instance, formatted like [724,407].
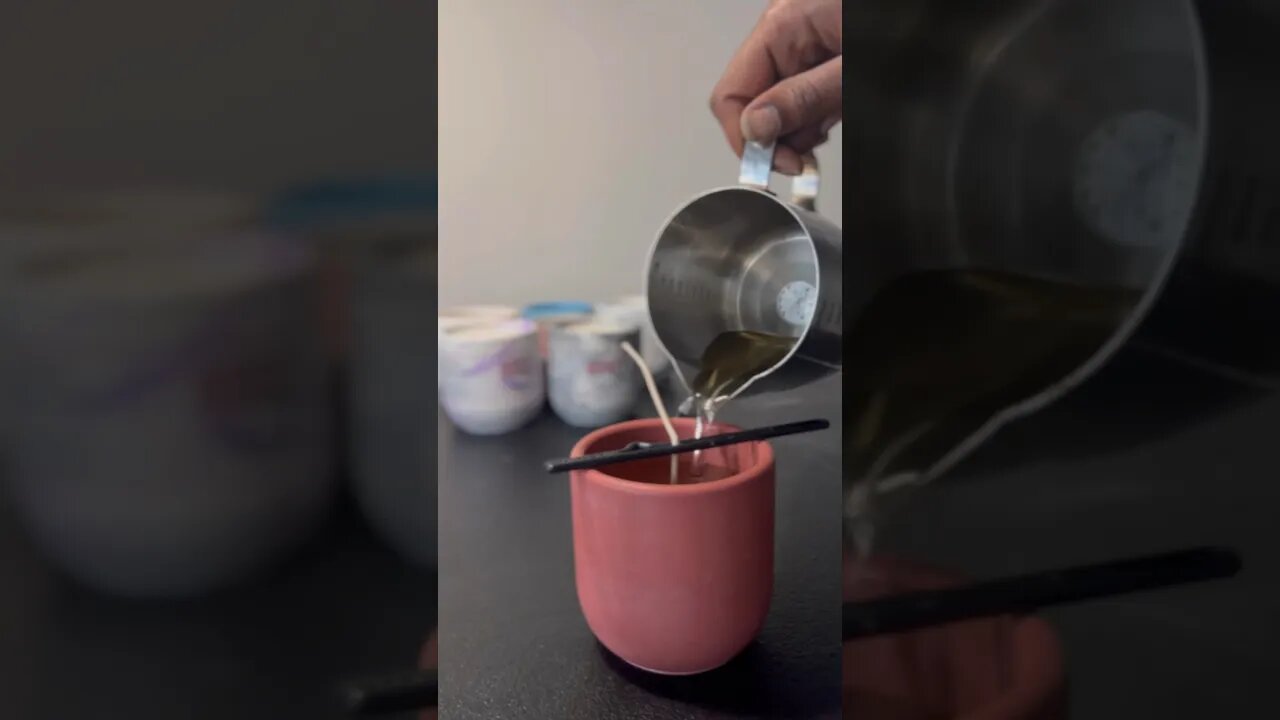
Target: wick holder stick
[641,452]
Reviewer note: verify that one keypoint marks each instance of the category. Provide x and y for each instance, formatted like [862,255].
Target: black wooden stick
[612,457]
[1028,593]
[392,694]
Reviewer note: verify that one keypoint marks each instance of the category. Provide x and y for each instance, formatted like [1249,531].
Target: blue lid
[563,307]
[353,200]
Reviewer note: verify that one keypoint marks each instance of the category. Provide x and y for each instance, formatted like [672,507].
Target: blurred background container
[391,396]
[207,121]
[170,430]
[378,241]
[129,316]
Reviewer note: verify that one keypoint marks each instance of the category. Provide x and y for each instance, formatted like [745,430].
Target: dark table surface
[513,643]
[1150,455]
[275,648]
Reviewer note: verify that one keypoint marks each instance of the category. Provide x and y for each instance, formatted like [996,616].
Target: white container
[394,408]
[31,240]
[175,208]
[176,417]
[40,231]
[634,310]
[548,315]
[480,313]
[467,316]
[493,377]
[592,381]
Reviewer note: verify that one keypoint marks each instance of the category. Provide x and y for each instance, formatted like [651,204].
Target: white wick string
[657,402]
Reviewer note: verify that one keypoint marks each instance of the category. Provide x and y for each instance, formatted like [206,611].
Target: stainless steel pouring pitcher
[740,258]
[1125,145]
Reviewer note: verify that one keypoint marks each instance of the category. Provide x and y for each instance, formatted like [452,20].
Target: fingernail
[828,124]
[761,124]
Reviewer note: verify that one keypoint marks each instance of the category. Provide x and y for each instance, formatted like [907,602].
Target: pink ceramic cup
[673,579]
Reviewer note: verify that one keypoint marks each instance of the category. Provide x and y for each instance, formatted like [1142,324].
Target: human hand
[784,83]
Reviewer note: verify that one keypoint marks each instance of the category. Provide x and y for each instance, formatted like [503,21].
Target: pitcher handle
[757,161]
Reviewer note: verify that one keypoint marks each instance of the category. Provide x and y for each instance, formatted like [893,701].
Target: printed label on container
[515,369]
[602,367]
[252,405]
[249,396]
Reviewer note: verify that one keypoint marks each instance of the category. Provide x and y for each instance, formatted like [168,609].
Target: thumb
[796,103]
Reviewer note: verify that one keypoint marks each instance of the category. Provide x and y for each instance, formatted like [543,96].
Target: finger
[810,137]
[789,153]
[750,72]
[805,140]
[795,103]
[787,161]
